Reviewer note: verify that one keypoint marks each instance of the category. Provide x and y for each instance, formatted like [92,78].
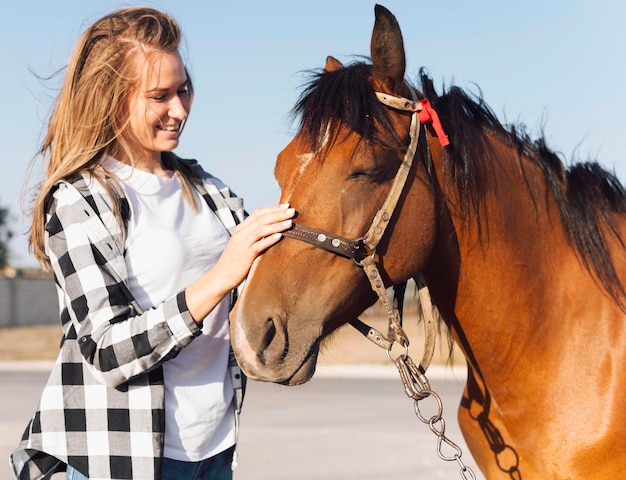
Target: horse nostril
[270,333]
[268,336]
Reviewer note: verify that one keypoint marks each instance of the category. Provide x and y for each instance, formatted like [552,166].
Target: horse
[524,258]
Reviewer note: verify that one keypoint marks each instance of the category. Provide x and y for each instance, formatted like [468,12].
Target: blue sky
[557,65]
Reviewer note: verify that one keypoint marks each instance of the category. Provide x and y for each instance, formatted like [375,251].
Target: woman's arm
[252,237]
[118,340]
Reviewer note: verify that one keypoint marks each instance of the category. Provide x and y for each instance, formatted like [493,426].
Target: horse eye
[375,175]
[358,174]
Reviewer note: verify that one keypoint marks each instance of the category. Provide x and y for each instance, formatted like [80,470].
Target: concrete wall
[28,301]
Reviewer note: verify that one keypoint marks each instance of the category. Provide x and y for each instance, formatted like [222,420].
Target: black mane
[345,95]
[587,195]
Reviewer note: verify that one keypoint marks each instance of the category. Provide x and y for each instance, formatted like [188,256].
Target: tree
[5,237]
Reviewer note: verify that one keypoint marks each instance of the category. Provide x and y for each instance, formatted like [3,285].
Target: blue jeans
[214,468]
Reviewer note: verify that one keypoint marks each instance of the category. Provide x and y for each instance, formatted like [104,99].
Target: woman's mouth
[169,128]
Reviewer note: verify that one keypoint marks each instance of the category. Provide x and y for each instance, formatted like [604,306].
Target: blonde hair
[89,114]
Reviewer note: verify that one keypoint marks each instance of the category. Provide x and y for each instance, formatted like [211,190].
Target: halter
[362,250]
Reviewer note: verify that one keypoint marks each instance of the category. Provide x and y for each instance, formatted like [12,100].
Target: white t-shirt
[168,246]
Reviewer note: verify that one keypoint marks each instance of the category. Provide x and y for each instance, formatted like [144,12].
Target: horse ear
[387,50]
[332,64]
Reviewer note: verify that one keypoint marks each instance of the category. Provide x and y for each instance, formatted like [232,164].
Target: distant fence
[28,301]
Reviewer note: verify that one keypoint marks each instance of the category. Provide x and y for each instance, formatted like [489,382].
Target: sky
[556,66]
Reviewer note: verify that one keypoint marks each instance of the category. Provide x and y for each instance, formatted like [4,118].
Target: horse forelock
[343,98]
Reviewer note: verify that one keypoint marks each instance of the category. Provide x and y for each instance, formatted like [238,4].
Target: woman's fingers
[266,222]
[257,233]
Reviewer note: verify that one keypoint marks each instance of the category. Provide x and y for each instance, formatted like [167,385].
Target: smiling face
[157,109]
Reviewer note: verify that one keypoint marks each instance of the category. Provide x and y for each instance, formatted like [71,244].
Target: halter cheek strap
[422,113]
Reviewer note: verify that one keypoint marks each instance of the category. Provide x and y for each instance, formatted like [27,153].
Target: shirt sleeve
[97,309]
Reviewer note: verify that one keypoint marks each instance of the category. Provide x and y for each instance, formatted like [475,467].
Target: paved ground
[349,422]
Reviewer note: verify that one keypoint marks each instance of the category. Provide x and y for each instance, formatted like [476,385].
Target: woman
[145,248]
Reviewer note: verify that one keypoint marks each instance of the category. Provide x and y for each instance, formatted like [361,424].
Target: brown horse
[524,259]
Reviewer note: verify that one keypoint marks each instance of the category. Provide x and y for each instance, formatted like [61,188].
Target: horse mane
[587,196]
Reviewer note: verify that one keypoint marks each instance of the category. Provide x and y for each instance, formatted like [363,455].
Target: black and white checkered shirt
[102,409]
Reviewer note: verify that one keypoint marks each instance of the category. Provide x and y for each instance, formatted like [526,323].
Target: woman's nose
[177,108]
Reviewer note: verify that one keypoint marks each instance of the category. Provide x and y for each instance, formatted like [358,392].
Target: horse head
[337,172]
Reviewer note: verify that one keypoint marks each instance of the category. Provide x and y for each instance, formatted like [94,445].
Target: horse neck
[486,267]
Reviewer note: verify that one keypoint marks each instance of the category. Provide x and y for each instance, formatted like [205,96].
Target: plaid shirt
[102,409]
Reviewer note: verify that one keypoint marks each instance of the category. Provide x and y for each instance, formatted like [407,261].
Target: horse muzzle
[267,355]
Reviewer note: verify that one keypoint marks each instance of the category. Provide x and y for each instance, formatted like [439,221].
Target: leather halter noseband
[362,250]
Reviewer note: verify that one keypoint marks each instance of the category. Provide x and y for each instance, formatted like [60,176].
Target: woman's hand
[252,237]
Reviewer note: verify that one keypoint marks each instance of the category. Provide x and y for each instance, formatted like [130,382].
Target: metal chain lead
[416,387]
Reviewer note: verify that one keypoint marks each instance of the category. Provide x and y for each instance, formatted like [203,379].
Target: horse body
[527,276]
[542,338]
